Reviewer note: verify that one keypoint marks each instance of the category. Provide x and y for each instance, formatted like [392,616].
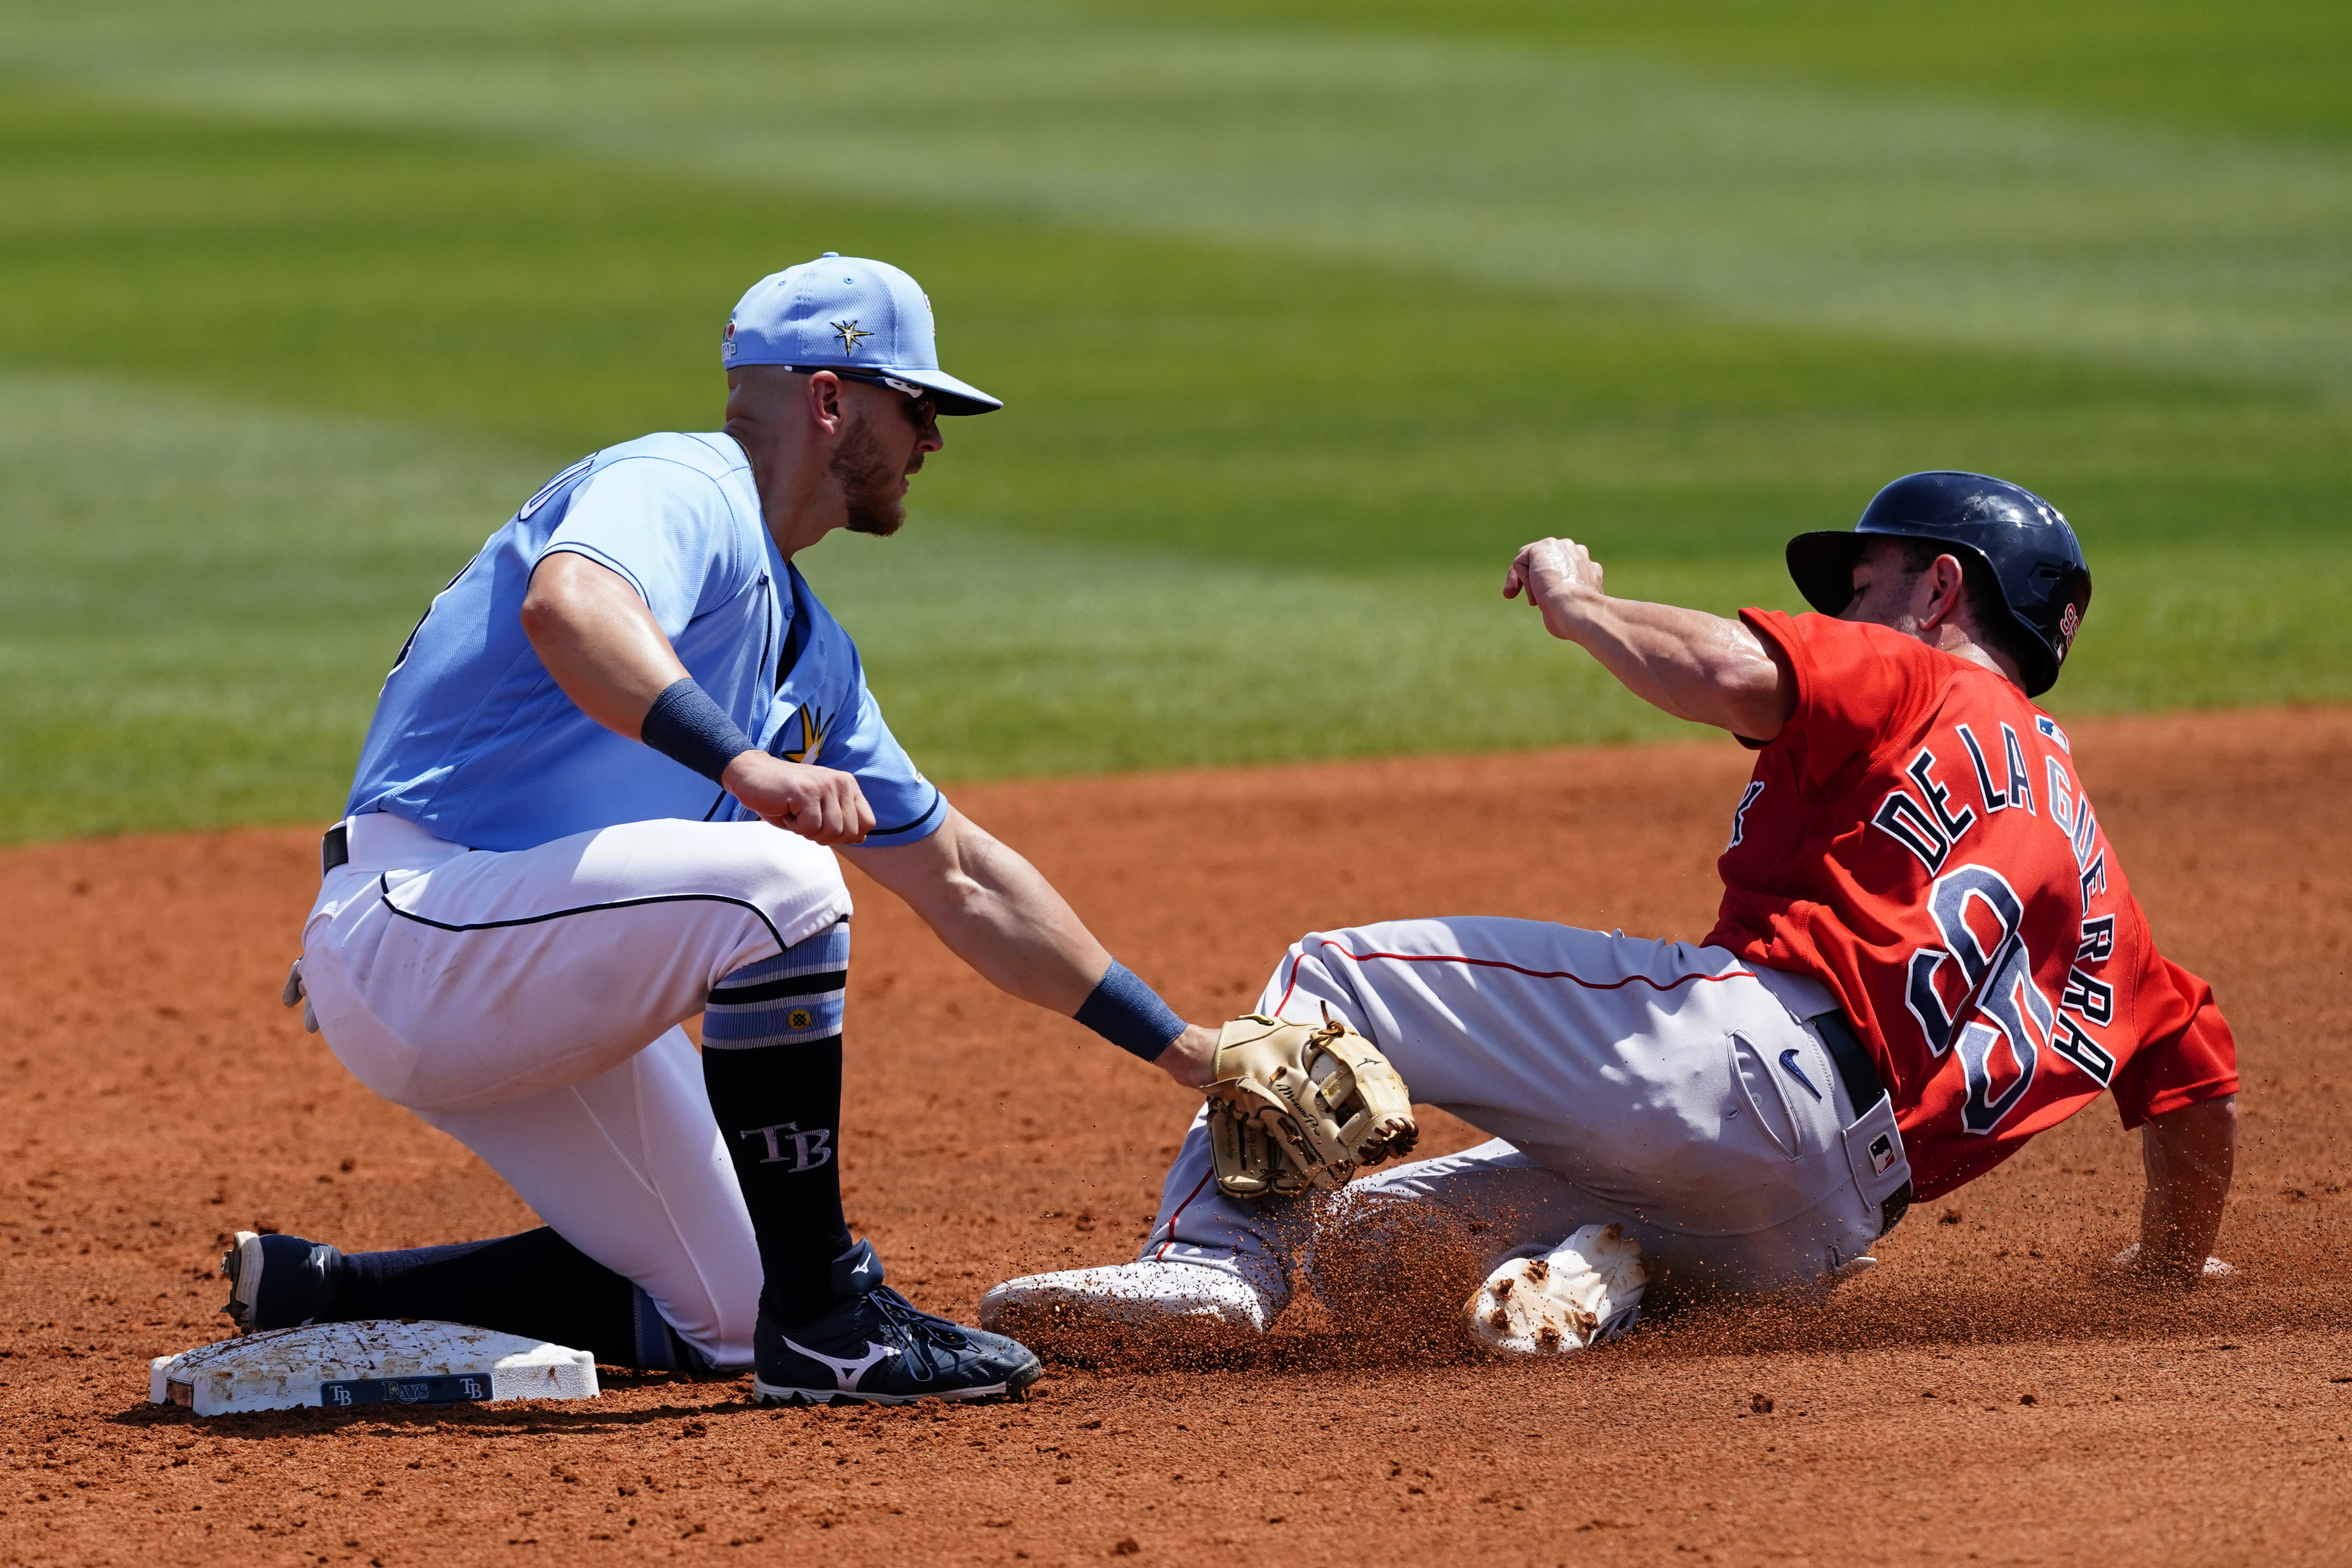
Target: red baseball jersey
[1916,838]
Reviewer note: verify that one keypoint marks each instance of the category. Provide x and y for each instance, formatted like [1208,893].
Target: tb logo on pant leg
[810,1149]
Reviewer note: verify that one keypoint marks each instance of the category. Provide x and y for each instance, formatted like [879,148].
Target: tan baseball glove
[1294,1106]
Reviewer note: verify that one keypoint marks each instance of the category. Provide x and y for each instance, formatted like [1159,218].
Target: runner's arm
[2188,1155]
[1693,665]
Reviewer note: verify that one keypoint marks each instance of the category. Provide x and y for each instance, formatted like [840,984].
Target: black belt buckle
[335,848]
[1853,1065]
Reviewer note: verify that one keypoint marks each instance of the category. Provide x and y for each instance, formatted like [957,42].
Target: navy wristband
[686,726]
[1129,1014]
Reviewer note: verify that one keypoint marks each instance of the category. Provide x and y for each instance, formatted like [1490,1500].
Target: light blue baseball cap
[845,312]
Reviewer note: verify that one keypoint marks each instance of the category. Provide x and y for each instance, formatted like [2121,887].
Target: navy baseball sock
[536,1284]
[772,1065]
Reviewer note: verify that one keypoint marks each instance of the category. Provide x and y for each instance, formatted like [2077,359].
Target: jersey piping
[384,884]
[1327,946]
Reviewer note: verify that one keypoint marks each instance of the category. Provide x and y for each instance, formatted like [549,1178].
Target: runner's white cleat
[1585,1291]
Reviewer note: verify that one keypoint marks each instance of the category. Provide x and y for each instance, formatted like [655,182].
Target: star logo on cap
[851,335]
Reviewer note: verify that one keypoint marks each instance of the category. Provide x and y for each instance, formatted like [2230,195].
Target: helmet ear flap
[1822,565]
[2026,544]
[2071,599]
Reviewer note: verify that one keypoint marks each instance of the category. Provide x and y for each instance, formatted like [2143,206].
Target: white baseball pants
[527,1003]
[1669,1087]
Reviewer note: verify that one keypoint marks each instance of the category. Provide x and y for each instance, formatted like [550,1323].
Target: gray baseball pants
[1675,1090]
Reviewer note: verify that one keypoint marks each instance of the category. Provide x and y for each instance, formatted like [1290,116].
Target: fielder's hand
[1558,577]
[819,804]
[1191,1058]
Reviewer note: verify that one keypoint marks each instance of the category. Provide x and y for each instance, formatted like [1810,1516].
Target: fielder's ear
[825,402]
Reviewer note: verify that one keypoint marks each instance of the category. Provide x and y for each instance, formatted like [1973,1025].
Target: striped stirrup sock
[772,1065]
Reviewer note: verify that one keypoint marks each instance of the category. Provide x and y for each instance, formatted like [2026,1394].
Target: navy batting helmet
[2021,539]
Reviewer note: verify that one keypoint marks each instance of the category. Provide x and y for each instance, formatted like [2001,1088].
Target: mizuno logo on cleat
[847,1373]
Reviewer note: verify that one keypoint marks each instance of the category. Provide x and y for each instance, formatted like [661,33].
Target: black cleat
[878,1348]
[278,1281]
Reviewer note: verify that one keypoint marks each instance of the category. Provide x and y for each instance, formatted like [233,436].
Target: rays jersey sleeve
[824,715]
[1918,839]
[474,742]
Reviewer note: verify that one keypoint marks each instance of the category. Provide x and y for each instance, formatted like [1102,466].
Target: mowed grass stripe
[1931,219]
[204,599]
[2275,66]
[1199,399]
[1223,521]
[2272,67]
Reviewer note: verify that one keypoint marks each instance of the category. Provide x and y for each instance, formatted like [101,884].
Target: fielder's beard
[869,483]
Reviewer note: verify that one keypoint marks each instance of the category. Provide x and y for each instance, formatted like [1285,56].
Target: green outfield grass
[2275,66]
[1305,318]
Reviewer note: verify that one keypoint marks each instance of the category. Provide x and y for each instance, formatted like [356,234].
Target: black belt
[1863,1090]
[335,849]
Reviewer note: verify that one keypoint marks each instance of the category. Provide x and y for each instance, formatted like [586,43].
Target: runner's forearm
[1693,665]
[2188,1155]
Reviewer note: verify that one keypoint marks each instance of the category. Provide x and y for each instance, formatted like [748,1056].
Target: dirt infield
[1986,1395]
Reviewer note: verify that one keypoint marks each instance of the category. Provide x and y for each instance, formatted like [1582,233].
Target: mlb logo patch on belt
[1882,1154]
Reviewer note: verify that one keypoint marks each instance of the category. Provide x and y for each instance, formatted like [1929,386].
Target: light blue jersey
[475,743]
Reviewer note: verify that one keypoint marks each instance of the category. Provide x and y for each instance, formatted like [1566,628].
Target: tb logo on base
[809,1149]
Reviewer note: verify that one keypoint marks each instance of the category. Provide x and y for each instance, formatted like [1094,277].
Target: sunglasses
[925,403]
